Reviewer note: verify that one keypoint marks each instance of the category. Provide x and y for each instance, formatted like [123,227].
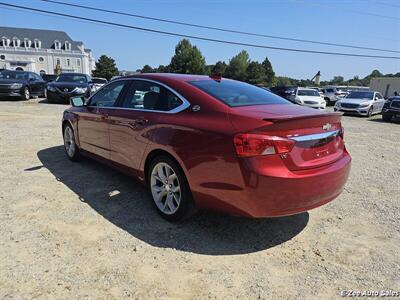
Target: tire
[44,93]
[370,110]
[26,94]
[70,147]
[387,117]
[328,101]
[169,189]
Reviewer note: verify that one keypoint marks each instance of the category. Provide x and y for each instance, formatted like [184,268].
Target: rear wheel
[44,93]
[387,117]
[71,149]
[328,101]
[169,189]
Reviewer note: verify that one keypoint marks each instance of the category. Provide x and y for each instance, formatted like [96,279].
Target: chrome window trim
[185,103]
[316,136]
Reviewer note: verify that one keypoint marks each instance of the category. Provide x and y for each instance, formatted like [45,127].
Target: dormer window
[57,45]
[67,46]
[5,41]
[27,43]
[16,42]
[37,44]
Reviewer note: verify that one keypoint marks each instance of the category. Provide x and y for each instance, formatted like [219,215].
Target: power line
[195,37]
[217,28]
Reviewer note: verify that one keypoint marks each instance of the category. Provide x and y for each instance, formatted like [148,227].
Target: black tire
[328,101]
[26,94]
[186,207]
[387,117]
[44,93]
[74,154]
[370,110]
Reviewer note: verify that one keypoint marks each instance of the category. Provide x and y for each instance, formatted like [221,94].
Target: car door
[379,102]
[93,122]
[34,85]
[39,83]
[132,125]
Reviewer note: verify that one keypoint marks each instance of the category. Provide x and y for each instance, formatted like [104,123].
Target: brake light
[337,94]
[249,144]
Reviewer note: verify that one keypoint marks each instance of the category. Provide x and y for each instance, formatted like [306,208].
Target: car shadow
[126,203]
[380,120]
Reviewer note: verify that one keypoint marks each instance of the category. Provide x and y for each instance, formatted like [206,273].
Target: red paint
[202,142]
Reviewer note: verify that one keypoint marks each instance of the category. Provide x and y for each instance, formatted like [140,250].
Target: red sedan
[213,143]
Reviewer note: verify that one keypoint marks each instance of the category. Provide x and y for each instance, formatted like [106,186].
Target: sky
[368,23]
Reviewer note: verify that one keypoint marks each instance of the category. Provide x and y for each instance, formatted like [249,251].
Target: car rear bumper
[275,191]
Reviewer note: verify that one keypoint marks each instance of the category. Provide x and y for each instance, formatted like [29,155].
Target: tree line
[188,59]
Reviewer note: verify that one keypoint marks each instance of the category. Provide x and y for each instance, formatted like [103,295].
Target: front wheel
[26,95]
[169,189]
[71,149]
[370,110]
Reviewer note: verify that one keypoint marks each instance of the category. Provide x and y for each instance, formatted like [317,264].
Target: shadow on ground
[125,203]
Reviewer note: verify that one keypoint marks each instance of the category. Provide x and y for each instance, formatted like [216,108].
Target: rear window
[236,93]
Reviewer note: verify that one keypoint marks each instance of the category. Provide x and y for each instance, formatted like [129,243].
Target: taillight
[337,94]
[250,144]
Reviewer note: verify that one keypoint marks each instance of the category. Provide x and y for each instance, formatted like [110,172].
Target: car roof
[171,76]
[73,73]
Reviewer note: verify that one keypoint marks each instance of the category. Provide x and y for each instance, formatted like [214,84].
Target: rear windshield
[236,93]
[307,93]
[361,95]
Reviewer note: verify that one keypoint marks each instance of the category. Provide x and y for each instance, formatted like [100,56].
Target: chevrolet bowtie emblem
[326,126]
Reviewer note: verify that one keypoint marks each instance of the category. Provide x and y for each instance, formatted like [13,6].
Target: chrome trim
[185,103]
[316,136]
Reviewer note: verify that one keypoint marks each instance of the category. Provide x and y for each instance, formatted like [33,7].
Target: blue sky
[370,23]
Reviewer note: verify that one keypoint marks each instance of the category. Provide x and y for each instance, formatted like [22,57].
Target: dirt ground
[83,231]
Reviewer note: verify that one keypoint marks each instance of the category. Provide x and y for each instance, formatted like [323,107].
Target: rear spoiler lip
[298,117]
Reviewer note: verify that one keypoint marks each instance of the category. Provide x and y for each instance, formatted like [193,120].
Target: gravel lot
[81,230]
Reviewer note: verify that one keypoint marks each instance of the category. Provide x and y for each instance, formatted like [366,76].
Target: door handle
[141,122]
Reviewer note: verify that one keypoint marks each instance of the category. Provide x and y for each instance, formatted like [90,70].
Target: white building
[386,85]
[40,51]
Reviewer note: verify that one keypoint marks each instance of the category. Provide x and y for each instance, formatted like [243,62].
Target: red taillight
[337,94]
[249,144]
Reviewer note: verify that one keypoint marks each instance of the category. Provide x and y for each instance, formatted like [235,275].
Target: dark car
[391,109]
[49,77]
[68,85]
[212,143]
[284,91]
[21,84]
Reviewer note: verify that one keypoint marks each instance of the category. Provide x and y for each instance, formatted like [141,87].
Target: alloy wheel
[27,94]
[69,141]
[165,188]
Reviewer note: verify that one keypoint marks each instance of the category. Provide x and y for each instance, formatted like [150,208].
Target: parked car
[308,97]
[332,94]
[48,77]
[284,91]
[364,103]
[97,83]
[211,143]
[391,109]
[68,85]
[21,84]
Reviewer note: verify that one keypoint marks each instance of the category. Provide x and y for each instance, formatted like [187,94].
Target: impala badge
[326,126]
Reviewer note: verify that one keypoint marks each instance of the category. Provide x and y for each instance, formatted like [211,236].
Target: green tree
[219,68]
[256,73]
[237,67]
[147,69]
[162,69]
[337,80]
[105,68]
[269,72]
[187,59]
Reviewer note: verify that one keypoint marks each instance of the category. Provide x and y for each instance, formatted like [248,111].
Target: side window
[150,96]
[379,96]
[37,77]
[108,95]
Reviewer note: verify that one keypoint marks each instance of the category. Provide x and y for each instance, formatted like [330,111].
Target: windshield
[236,93]
[361,95]
[13,75]
[307,93]
[72,78]
[99,80]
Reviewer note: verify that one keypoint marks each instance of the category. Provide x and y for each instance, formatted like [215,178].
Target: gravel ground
[81,230]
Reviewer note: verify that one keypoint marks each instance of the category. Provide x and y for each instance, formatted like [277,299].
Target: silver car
[364,103]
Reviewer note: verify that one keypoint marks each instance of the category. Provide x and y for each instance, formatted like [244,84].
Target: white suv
[332,94]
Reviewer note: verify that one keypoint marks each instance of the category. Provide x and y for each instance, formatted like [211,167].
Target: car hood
[310,98]
[354,100]
[68,84]
[11,81]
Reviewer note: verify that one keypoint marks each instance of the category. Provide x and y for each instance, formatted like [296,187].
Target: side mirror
[77,101]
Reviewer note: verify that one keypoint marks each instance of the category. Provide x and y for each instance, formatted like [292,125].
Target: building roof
[47,37]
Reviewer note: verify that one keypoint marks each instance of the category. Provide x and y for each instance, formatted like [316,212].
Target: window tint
[379,96]
[236,93]
[307,93]
[108,95]
[79,78]
[330,91]
[360,95]
[151,96]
